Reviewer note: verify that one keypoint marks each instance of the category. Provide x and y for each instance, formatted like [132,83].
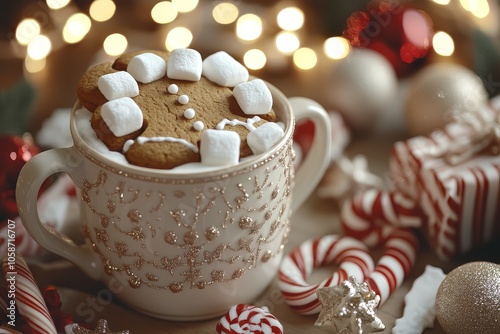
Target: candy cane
[350,254]
[7,330]
[243,319]
[392,268]
[29,300]
[372,215]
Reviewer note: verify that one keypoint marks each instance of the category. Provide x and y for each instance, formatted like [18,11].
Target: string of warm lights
[249,28]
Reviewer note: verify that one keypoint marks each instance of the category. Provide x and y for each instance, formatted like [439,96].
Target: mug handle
[31,177]
[317,160]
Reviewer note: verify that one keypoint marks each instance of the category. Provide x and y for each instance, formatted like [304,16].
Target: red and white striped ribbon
[29,300]
[242,318]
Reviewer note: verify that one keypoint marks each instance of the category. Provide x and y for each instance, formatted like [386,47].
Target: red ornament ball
[400,33]
[15,151]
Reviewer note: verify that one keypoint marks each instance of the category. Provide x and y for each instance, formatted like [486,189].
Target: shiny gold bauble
[468,299]
[438,93]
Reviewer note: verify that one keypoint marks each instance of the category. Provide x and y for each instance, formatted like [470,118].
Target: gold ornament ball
[440,91]
[468,299]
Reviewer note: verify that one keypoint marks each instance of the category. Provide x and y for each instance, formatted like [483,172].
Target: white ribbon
[485,131]
[348,177]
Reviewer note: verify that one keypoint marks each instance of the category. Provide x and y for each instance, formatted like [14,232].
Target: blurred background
[300,46]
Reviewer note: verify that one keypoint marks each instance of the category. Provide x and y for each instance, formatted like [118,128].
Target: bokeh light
[287,42]
[164,12]
[178,38]
[255,59]
[102,10]
[417,28]
[290,18]
[115,44]
[305,58]
[443,44]
[481,10]
[442,2]
[39,47]
[249,27]
[336,47]
[26,30]
[76,27]
[57,4]
[34,65]
[185,6]
[466,4]
[225,13]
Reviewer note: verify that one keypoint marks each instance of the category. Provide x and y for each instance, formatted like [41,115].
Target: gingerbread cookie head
[163,110]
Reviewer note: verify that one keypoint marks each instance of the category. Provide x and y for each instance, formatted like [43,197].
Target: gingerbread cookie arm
[88,93]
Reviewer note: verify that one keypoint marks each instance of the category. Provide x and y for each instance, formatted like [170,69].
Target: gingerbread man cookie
[155,107]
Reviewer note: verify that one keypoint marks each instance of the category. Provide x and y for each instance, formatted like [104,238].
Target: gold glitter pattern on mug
[212,233]
[152,277]
[134,216]
[174,247]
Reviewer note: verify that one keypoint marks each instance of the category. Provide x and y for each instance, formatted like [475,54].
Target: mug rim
[281,106]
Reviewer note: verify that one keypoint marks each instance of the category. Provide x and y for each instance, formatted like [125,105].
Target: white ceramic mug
[178,246]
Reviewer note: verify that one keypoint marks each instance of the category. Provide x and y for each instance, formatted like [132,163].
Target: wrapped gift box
[454,175]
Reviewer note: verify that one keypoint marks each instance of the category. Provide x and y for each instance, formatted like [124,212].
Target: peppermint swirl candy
[242,318]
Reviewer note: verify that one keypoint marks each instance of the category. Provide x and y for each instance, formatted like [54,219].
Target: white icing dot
[189,113]
[183,99]
[198,125]
[173,89]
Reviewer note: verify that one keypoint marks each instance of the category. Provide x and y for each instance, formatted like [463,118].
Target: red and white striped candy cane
[242,318]
[373,218]
[350,254]
[29,300]
[392,268]
[372,215]
[7,330]
[376,218]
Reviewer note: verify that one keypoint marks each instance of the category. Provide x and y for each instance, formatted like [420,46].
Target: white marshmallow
[116,85]
[123,116]
[253,97]
[184,64]
[264,137]
[224,70]
[219,147]
[147,67]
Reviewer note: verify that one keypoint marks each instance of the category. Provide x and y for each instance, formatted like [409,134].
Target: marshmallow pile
[218,147]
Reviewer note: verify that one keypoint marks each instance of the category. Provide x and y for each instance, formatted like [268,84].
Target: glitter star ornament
[102,328]
[349,308]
